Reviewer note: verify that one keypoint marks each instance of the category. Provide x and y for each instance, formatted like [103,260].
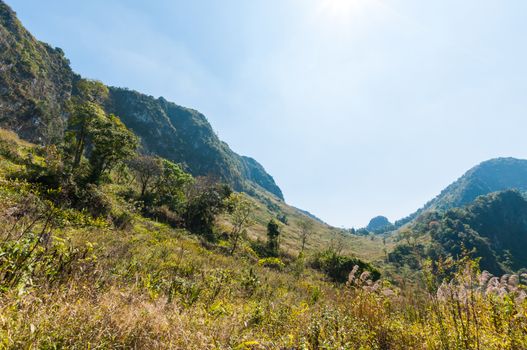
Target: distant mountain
[493,228]
[379,223]
[36,82]
[491,176]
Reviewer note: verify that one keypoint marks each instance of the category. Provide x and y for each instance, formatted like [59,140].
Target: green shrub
[272,262]
[337,267]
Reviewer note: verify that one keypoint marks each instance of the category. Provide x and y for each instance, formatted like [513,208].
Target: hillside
[184,136]
[69,279]
[490,176]
[36,83]
[493,228]
[126,223]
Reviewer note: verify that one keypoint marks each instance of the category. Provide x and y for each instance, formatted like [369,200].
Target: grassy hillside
[370,248]
[72,280]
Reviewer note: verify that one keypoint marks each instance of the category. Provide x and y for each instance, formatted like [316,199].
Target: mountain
[185,136]
[311,215]
[36,83]
[491,176]
[493,228]
[379,223]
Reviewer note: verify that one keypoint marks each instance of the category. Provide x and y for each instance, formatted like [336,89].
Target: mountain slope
[184,135]
[36,82]
[490,176]
[493,228]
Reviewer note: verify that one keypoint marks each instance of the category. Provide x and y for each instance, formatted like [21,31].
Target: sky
[357,108]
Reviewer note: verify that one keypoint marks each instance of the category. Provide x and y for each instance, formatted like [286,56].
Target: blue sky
[356,107]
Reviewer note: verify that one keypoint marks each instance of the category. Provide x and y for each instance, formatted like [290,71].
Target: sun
[337,7]
[342,9]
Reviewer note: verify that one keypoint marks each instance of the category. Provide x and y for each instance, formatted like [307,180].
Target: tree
[161,182]
[85,107]
[83,114]
[147,170]
[306,230]
[241,209]
[111,143]
[206,200]
[171,184]
[273,233]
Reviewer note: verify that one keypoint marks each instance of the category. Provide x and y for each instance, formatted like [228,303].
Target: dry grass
[86,285]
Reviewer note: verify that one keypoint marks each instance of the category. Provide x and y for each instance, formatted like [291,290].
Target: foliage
[111,143]
[493,228]
[380,224]
[206,200]
[184,136]
[170,186]
[147,170]
[70,281]
[409,255]
[273,235]
[271,262]
[240,211]
[306,230]
[36,81]
[494,175]
[338,267]
[79,268]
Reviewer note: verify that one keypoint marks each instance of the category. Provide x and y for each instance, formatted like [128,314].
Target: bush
[167,216]
[123,221]
[93,200]
[337,267]
[272,263]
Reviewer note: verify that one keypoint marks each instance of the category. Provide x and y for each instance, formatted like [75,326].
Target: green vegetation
[492,228]
[184,136]
[127,223]
[273,237]
[38,85]
[71,279]
[494,175]
[380,224]
[36,82]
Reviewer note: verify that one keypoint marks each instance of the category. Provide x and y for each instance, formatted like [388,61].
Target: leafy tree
[85,107]
[170,185]
[273,234]
[241,209]
[206,200]
[111,143]
[306,230]
[147,170]
[78,134]
[161,182]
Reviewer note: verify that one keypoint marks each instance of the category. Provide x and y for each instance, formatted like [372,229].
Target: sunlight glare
[342,9]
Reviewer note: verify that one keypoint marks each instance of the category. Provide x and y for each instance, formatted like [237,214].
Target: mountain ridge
[493,175]
[37,82]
